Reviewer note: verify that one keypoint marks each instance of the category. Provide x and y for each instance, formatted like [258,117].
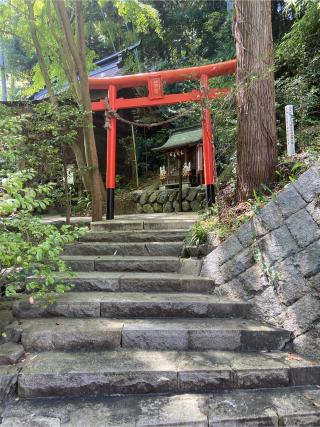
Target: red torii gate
[154,82]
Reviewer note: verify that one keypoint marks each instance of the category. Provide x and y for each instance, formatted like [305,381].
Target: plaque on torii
[154,81]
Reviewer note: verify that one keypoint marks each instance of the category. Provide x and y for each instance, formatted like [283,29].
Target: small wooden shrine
[184,160]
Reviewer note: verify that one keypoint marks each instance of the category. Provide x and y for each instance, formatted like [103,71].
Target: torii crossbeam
[154,82]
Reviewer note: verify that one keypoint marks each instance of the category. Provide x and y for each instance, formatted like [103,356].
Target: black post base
[211,198]
[110,203]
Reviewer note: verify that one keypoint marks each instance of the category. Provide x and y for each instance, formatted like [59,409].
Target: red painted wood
[98,105]
[194,96]
[167,76]
[155,87]
[111,142]
[207,136]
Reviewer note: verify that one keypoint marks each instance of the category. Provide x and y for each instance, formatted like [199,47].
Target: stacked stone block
[155,201]
[273,261]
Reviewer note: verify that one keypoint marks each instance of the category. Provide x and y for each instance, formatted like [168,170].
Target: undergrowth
[227,216]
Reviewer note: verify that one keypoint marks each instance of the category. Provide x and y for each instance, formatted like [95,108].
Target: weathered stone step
[138,282]
[133,304]
[10,353]
[137,372]
[135,236]
[131,249]
[203,334]
[184,334]
[129,225]
[272,407]
[65,334]
[123,263]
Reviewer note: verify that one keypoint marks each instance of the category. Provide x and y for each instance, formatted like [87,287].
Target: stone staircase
[142,342]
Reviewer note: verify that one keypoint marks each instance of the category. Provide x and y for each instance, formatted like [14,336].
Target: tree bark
[77,148]
[256,125]
[67,63]
[3,74]
[66,188]
[76,47]
[40,56]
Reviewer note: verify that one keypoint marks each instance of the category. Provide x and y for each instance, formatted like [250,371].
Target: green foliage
[15,20]
[142,16]
[81,204]
[110,26]
[198,232]
[27,246]
[298,75]
[289,171]
[11,134]
[17,197]
[222,221]
[261,197]
[193,31]
[38,138]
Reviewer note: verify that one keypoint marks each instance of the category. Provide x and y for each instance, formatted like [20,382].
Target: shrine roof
[182,138]
[109,66]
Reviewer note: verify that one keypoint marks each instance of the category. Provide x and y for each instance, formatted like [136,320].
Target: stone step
[123,263]
[132,249]
[129,225]
[156,334]
[133,304]
[138,372]
[10,353]
[137,282]
[203,334]
[135,236]
[63,334]
[288,407]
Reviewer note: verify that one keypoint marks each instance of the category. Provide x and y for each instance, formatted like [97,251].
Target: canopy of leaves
[298,73]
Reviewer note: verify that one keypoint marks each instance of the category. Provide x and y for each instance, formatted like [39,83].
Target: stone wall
[148,201]
[274,262]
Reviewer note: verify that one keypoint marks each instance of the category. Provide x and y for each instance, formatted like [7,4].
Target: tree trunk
[78,151]
[40,56]
[256,126]
[66,188]
[76,47]
[3,75]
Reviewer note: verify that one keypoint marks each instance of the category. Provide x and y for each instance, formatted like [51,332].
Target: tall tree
[3,74]
[256,125]
[77,74]
[70,49]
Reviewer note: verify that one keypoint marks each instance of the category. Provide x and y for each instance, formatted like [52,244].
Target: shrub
[198,233]
[27,246]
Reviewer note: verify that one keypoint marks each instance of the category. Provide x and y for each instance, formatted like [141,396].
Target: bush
[222,220]
[27,246]
[198,233]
